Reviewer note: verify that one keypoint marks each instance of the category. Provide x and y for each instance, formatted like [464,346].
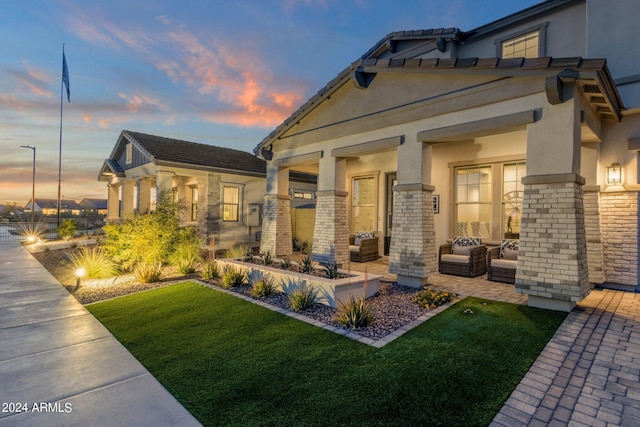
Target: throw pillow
[512,244]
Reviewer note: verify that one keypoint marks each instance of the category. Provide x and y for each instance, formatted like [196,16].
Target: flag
[65,76]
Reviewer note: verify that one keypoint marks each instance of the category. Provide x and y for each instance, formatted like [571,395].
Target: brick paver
[597,382]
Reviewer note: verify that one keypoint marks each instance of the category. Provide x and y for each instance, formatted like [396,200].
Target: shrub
[94,261]
[210,270]
[307,264]
[302,298]
[331,271]
[236,252]
[67,230]
[354,314]
[248,254]
[263,287]
[186,252]
[145,237]
[148,271]
[431,299]
[267,258]
[285,263]
[232,278]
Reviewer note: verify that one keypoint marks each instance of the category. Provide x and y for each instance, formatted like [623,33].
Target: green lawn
[230,362]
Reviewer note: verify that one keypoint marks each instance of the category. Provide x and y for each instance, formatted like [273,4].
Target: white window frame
[498,224]
[193,205]
[352,178]
[240,208]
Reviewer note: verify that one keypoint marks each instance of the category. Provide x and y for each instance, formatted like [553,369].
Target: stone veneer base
[550,303]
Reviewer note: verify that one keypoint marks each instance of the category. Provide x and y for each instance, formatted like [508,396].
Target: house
[50,207]
[94,207]
[527,127]
[220,189]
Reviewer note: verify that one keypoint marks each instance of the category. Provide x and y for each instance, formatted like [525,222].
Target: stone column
[276,223]
[113,202]
[620,215]
[412,255]
[144,195]
[552,262]
[164,185]
[127,198]
[331,229]
[591,197]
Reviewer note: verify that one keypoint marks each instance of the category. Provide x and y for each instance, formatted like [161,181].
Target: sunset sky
[218,72]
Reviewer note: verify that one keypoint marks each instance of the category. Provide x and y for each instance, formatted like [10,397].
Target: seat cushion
[458,259]
[504,263]
[354,248]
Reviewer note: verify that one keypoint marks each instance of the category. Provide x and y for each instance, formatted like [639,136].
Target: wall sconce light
[614,174]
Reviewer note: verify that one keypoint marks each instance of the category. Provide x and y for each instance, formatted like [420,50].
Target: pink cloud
[236,77]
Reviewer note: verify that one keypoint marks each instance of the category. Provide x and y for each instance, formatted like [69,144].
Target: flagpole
[60,150]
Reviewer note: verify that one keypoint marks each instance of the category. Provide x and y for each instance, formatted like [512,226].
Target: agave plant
[354,314]
[331,271]
[302,298]
[233,277]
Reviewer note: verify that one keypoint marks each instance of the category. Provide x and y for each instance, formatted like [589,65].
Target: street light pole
[33,187]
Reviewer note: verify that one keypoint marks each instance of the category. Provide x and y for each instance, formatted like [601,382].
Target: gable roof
[89,203]
[593,74]
[176,152]
[53,204]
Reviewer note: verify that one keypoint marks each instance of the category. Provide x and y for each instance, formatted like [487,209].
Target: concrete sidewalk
[60,367]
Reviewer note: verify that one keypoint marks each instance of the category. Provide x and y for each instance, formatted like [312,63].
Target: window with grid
[363,203]
[513,191]
[230,203]
[473,198]
[194,203]
[524,46]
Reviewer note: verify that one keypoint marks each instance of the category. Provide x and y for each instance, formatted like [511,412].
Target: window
[230,203]
[512,193]
[363,203]
[524,46]
[527,43]
[194,203]
[303,195]
[488,199]
[473,200]
[129,154]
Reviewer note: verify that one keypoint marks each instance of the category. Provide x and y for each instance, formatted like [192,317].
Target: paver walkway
[589,373]
[60,367]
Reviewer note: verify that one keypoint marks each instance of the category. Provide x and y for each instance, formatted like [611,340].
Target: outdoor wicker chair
[464,256]
[502,262]
[363,247]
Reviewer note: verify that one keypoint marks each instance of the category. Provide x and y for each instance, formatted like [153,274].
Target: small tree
[67,230]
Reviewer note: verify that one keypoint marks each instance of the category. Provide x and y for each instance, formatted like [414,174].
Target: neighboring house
[94,207]
[50,207]
[527,127]
[221,189]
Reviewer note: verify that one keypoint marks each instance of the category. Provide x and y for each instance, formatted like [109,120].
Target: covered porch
[478,287]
